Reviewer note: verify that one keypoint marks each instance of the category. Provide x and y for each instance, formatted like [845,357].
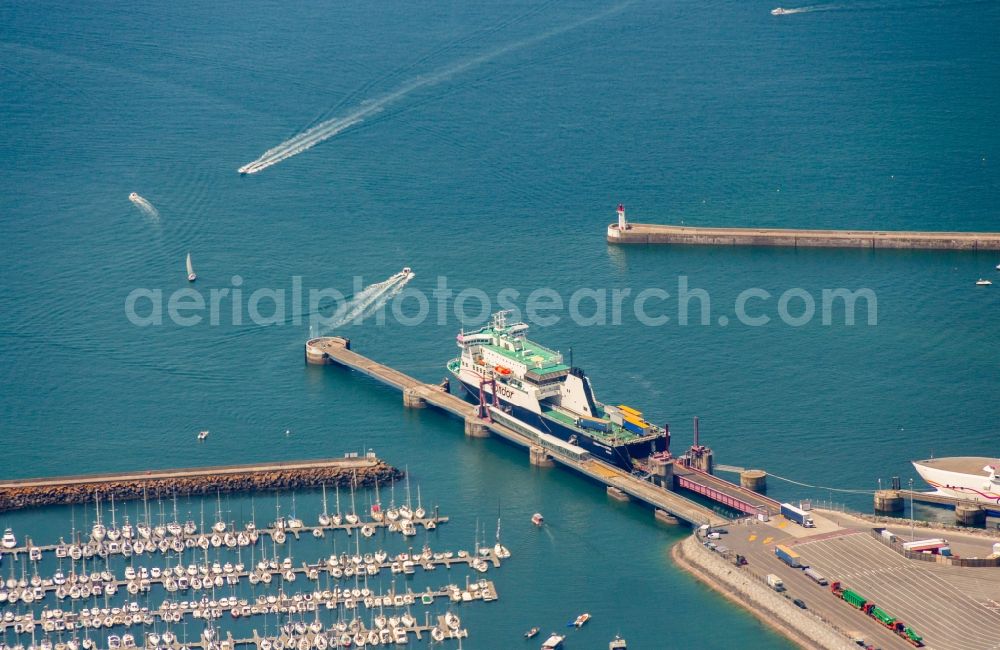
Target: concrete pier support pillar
[412,400]
[754,479]
[703,458]
[539,457]
[476,428]
[617,494]
[888,501]
[665,517]
[663,472]
[968,515]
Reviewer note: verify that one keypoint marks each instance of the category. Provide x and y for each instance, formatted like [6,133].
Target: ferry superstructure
[536,386]
[963,477]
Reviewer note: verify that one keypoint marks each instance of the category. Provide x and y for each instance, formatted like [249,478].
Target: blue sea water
[502,174]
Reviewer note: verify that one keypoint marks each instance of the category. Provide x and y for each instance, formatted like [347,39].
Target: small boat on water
[133,196]
[617,643]
[554,642]
[983,283]
[530,634]
[998,267]
[778,11]
[190,269]
[537,519]
[581,620]
[8,541]
[202,435]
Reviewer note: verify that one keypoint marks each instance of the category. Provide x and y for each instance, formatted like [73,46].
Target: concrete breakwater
[65,490]
[648,233]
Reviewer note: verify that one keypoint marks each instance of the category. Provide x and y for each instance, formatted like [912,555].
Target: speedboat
[202,434]
[581,619]
[537,519]
[405,273]
[133,196]
[983,283]
[778,11]
[8,541]
[554,642]
[192,276]
[998,267]
[531,633]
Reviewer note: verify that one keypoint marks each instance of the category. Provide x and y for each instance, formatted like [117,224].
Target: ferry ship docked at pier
[535,386]
[963,477]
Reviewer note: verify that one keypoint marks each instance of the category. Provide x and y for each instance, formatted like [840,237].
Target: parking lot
[756,542]
[949,606]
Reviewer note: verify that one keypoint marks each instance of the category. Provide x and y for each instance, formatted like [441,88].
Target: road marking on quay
[954,621]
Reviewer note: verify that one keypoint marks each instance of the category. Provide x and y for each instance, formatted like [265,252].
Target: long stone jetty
[351,470]
[625,232]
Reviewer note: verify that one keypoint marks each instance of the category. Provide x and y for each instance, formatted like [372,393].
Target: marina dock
[229,539]
[61,490]
[649,233]
[543,449]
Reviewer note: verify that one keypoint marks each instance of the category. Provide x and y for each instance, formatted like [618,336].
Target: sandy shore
[778,613]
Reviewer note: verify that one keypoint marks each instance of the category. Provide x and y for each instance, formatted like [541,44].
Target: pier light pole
[911,509]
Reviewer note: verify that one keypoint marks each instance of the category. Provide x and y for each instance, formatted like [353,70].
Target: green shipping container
[854,598]
[883,616]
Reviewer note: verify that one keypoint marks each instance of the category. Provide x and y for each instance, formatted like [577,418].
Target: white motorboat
[190,269]
[983,283]
[554,642]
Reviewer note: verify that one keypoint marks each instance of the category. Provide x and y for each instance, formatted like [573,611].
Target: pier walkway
[543,448]
[944,500]
[649,233]
[724,492]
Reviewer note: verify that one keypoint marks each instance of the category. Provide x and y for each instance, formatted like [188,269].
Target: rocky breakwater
[360,472]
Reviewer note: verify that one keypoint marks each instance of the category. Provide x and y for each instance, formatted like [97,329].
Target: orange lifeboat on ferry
[503,370]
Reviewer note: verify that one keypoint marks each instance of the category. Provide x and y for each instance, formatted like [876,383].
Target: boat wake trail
[325,130]
[781,11]
[144,205]
[370,299]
